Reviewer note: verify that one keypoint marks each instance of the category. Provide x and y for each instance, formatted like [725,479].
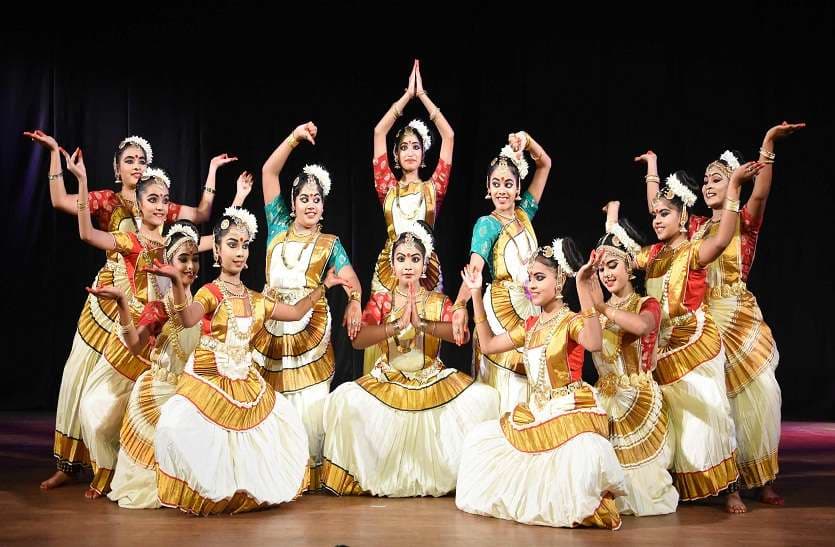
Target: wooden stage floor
[63,517]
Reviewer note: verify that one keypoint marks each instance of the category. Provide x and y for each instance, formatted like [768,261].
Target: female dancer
[504,240]
[638,422]
[548,462]
[113,211]
[134,482]
[409,199]
[296,357]
[691,357]
[102,403]
[398,430]
[227,441]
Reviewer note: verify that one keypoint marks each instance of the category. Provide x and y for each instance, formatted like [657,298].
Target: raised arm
[203,211]
[135,338]
[57,190]
[523,141]
[88,233]
[712,247]
[591,337]
[275,163]
[652,179]
[435,116]
[762,184]
[395,111]
[487,341]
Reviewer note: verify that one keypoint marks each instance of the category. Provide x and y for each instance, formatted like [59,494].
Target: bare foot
[91,494]
[58,479]
[733,504]
[770,496]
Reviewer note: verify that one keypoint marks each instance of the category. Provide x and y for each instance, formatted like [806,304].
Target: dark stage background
[594,89]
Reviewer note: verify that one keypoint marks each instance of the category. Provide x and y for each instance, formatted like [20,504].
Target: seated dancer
[398,430]
[638,423]
[226,441]
[548,462]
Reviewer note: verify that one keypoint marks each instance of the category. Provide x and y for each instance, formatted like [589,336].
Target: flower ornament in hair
[673,187]
[423,131]
[243,219]
[623,239]
[190,236]
[559,256]
[141,143]
[518,159]
[158,174]
[416,231]
[729,158]
[321,175]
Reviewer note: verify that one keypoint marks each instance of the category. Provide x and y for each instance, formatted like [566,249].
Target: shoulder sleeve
[209,297]
[378,306]
[383,177]
[339,258]
[642,258]
[278,217]
[485,233]
[153,317]
[173,212]
[126,243]
[529,205]
[575,327]
[440,178]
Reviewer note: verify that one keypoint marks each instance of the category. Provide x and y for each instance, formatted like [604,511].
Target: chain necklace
[176,327]
[311,238]
[232,320]
[149,246]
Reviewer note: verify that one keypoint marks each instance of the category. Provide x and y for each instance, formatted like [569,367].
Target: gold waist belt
[726,290]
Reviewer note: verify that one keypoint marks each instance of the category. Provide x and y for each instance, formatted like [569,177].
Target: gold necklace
[310,239]
[176,327]
[242,290]
[232,320]
[148,246]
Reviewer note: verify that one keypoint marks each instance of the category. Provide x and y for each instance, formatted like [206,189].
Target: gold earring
[216,264]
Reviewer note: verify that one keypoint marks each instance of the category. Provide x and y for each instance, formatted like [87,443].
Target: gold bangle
[292,141]
[180,307]
[767,154]
[209,189]
[767,161]
[460,305]
[354,296]
[731,205]
[397,113]
[59,174]
[81,206]
[652,178]
[434,114]
[479,320]
[589,313]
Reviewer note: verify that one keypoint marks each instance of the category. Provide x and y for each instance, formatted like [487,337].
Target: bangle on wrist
[209,189]
[59,174]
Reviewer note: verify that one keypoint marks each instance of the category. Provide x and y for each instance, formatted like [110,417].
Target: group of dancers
[220,401]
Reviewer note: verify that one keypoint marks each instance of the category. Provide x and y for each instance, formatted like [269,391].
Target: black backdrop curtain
[198,81]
